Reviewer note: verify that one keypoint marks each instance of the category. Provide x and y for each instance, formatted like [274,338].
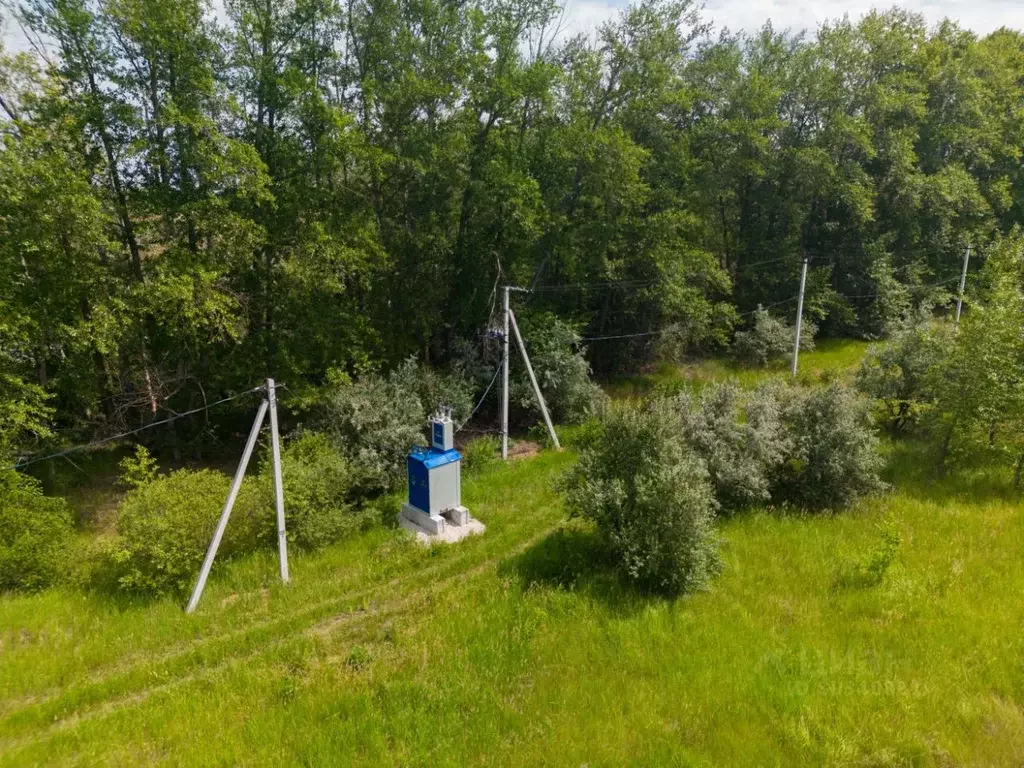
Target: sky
[982,16]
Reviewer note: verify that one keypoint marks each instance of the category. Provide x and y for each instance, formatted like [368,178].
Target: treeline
[191,201]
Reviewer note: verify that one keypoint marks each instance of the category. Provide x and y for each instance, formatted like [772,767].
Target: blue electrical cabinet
[434,479]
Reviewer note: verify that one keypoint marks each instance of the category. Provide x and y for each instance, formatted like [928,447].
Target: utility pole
[960,293]
[269,404]
[533,381]
[225,514]
[282,538]
[799,315]
[504,377]
[508,320]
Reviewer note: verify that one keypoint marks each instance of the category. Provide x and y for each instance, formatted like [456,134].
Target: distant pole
[533,380]
[960,293]
[275,442]
[222,524]
[799,316]
[504,379]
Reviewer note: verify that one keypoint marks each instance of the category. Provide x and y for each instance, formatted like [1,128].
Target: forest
[196,197]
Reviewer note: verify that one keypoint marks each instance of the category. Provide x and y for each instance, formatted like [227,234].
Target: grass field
[518,647]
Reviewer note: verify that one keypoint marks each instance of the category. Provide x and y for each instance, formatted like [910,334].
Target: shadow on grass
[574,559]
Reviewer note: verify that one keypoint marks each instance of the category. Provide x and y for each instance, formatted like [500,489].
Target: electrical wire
[763,307]
[637,283]
[787,257]
[481,400]
[670,329]
[102,441]
[927,285]
[625,335]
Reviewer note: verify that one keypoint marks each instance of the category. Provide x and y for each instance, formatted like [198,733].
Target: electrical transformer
[435,482]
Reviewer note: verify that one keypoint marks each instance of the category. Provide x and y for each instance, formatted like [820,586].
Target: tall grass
[520,647]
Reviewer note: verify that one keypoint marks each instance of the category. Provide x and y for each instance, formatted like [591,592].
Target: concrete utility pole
[799,315]
[282,538]
[269,404]
[960,293]
[504,377]
[533,381]
[225,514]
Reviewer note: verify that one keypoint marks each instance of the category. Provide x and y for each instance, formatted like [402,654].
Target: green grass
[519,648]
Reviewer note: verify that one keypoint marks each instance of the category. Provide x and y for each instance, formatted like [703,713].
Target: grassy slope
[516,649]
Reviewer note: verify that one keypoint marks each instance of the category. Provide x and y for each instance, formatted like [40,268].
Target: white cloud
[586,15]
[981,16]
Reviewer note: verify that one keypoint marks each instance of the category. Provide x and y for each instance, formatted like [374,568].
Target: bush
[769,339]
[562,371]
[742,454]
[898,373]
[869,569]
[434,388]
[35,533]
[317,484]
[481,454]
[166,524]
[833,451]
[373,423]
[650,498]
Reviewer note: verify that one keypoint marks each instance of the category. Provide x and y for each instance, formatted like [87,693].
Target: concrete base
[456,515]
[431,523]
[431,528]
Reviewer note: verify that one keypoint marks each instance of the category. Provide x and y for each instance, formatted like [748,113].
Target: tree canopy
[191,201]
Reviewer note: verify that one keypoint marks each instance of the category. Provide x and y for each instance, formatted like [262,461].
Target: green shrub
[435,388]
[166,524]
[897,373]
[138,469]
[481,454]
[833,451]
[35,533]
[770,339]
[373,422]
[869,569]
[742,447]
[650,497]
[562,371]
[317,483]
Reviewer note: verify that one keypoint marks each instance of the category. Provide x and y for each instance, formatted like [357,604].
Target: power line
[637,283]
[670,329]
[625,335]
[763,307]
[102,441]
[787,257]
[909,287]
[481,400]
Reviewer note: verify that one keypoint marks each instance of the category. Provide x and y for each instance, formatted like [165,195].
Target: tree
[980,391]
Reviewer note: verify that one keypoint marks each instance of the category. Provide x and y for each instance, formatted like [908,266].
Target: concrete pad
[449,534]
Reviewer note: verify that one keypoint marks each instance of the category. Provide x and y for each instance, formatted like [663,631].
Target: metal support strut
[533,380]
[799,316]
